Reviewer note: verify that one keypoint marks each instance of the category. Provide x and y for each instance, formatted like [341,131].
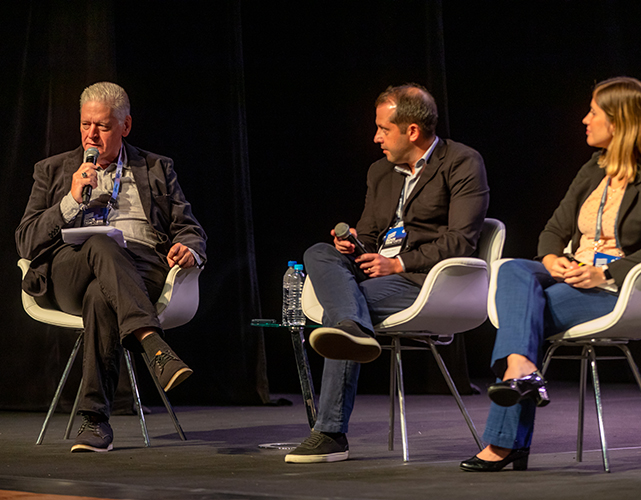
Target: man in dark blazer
[113,288]
[426,201]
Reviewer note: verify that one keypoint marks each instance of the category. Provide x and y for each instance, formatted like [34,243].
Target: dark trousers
[114,290]
[346,293]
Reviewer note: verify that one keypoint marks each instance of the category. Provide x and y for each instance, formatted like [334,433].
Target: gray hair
[111,95]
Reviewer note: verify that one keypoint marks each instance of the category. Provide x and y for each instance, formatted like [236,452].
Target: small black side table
[302,363]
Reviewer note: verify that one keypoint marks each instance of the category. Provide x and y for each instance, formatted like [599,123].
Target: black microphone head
[342,230]
[91,154]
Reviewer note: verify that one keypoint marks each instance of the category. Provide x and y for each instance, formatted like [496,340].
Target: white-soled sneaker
[319,447]
[94,435]
[345,341]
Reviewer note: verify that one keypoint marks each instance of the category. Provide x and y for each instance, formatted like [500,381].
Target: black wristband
[607,274]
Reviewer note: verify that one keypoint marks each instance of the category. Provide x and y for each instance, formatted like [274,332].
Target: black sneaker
[345,341]
[169,369]
[319,447]
[95,434]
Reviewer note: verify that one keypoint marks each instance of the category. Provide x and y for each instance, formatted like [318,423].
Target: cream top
[587,223]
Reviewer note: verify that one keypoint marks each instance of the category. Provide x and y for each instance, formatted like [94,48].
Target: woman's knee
[522,269]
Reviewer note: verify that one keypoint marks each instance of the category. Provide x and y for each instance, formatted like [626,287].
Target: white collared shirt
[411,179]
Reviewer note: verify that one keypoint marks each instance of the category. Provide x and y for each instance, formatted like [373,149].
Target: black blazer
[39,232]
[443,215]
[563,226]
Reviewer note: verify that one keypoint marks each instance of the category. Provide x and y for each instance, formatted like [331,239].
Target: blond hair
[620,99]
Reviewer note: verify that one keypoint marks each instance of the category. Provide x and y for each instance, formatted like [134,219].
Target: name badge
[603,259]
[96,216]
[392,241]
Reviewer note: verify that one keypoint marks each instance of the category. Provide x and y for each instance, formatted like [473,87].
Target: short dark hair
[414,104]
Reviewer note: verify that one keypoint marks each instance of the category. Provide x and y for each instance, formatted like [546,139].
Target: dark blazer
[443,215]
[563,226]
[39,232]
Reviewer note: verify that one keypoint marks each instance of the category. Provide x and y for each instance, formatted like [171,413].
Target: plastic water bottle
[295,315]
[286,278]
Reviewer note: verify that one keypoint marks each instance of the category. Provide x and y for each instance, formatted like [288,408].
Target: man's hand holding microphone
[86,177]
[373,265]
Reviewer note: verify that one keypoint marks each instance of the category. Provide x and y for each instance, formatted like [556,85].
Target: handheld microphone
[91,155]
[343,233]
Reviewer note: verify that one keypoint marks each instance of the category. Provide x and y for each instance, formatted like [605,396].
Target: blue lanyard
[599,219]
[401,204]
[116,189]
[401,200]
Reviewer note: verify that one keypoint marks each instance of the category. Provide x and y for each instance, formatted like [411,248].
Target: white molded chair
[612,330]
[176,306]
[453,300]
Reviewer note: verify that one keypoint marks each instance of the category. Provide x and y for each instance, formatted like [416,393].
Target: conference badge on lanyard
[393,240]
[600,258]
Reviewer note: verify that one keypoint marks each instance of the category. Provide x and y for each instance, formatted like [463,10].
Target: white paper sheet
[78,235]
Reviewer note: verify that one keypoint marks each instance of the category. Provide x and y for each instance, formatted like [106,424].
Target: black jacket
[563,226]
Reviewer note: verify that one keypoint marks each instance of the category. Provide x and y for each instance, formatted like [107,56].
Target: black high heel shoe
[510,392]
[518,459]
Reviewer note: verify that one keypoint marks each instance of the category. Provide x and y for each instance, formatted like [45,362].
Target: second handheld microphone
[91,155]
[343,233]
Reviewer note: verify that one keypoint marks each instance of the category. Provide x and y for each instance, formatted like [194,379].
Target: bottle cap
[298,267]
[291,263]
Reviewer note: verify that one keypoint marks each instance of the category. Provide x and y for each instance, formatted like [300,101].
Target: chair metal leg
[74,410]
[304,373]
[392,393]
[631,362]
[455,393]
[599,408]
[136,394]
[548,356]
[61,385]
[583,381]
[163,396]
[401,402]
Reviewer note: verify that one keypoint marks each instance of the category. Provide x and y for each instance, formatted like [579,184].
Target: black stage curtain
[183,70]
[285,91]
[313,74]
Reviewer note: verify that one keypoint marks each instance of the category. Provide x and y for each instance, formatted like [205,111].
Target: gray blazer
[563,226]
[443,215]
[39,232]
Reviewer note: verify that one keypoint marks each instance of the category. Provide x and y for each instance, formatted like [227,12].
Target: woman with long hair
[600,216]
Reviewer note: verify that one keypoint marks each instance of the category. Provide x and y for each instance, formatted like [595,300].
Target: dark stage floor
[221,459]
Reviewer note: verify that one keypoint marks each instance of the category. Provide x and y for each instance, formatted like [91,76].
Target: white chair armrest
[311,306]
[24,264]
[492,239]
[179,299]
[625,319]
[622,322]
[447,301]
[49,316]
[176,306]
[452,300]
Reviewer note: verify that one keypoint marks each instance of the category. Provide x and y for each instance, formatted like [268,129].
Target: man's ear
[413,132]
[127,128]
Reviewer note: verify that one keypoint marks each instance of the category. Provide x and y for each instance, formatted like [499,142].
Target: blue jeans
[531,306]
[345,292]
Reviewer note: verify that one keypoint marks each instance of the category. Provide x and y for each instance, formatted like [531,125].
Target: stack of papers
[78,235]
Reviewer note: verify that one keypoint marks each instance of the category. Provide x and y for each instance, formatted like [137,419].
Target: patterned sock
[154,344]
